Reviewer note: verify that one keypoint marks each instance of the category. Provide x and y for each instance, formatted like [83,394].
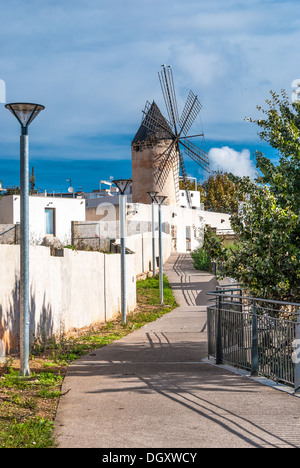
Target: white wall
[179,223]
[66,210]
[220,221]
[74,291]
[195,198]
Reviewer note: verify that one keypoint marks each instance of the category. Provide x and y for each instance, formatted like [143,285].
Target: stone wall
[146,156]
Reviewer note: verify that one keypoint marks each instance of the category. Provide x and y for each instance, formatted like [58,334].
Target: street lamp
[25,113]
[152,196]
[159,200]
[122,185]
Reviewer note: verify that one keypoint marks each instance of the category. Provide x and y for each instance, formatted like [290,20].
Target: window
[50,221]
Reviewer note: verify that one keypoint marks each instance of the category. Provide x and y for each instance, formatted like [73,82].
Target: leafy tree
[281,129]
[265,259]
[218,192]
[190,184]
[11,191]
[221,193]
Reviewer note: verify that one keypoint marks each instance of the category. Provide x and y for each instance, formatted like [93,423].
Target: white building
[48,216]
[183,228]
[111,195]
[195,197]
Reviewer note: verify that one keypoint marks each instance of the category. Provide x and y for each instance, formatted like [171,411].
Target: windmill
[176,130]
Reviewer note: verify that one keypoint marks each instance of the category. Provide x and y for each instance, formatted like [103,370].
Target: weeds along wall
[74,290]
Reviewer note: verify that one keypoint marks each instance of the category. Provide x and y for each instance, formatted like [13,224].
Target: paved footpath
[154,389]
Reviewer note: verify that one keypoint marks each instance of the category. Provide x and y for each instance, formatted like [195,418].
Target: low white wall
[219,221]
[73,291]
[141,245]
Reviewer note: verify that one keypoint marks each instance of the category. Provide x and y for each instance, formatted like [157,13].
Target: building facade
[48,216]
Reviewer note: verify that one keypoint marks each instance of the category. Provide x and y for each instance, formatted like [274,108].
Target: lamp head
[122,184]
[152,194]
[24,112]
[160,199]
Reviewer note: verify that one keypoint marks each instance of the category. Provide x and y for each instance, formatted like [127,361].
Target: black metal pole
[219,347]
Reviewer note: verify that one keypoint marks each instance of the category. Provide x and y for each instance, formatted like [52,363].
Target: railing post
[297,355]
[254,350]
[219,345]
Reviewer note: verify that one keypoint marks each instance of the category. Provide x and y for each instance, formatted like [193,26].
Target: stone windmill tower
[157,159]
[147,149]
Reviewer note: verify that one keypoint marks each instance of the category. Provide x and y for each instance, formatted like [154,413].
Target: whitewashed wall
[178,225]
[73,291]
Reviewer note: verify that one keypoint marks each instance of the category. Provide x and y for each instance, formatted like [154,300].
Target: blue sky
[94,63]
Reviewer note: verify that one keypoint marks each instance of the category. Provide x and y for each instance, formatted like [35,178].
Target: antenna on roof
[71,190]
[32,180]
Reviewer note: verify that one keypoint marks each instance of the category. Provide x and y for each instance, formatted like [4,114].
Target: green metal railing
[259,335]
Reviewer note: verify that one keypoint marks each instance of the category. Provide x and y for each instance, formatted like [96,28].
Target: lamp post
[25,113]
[159,200]
[122,185]
[152,196]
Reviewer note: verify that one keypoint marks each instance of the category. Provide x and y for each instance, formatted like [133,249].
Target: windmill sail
[168,90]
[189,114]
[176,130]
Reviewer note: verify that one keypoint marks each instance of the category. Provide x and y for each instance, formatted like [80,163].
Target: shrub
[201,259]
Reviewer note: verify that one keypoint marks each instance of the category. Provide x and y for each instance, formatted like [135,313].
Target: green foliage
[281,129]
[201,259]
[218,192]
[221,193]
[37,433]
[266,259]
[11,191]
[214,245]
[213,249]
[149,288]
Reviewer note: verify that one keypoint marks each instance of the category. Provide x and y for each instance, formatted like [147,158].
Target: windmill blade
[155,122]
[175,167]
[184,179]
[168,90]
[164,163]
[196,154]
[191,109]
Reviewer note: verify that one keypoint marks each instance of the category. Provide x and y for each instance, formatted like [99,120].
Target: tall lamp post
[159,200]
[152,196]
[122,185]
[25,113]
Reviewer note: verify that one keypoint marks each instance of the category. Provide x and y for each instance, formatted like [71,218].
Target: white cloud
[226,159]
[94,64]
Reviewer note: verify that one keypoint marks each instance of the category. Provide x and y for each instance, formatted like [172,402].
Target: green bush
[201,259]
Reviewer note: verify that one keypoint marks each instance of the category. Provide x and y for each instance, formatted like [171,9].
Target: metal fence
[88,235]
[258,335]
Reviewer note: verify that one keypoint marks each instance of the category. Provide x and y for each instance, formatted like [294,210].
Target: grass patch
[28,405]
[36,433]
[201,259]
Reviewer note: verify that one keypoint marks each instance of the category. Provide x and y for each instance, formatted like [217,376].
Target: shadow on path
[152,389]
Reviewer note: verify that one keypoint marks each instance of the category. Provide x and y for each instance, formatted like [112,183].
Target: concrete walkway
[153,388]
